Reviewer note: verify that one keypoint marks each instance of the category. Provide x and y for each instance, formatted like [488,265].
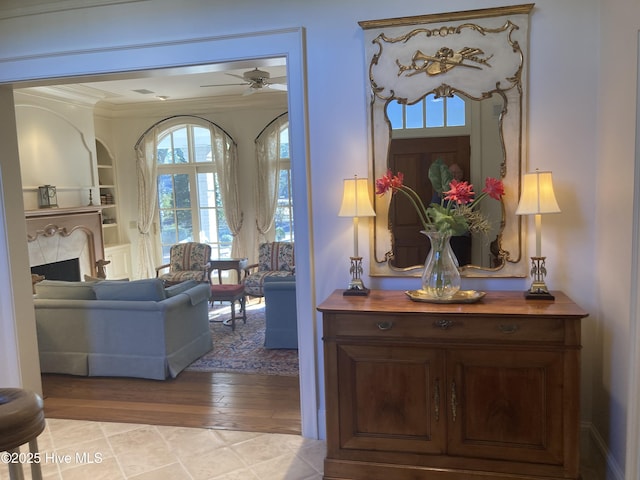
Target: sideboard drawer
[447,327]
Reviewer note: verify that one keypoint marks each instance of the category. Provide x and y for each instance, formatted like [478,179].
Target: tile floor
[79,450]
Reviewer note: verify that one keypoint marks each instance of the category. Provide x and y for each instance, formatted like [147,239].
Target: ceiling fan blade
[278,80]
[223,85]
[237,76]
[277,86]
[249,91]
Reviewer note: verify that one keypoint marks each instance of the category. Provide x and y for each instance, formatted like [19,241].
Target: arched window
[197,188]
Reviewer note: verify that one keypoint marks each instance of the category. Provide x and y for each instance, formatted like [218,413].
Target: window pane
[168,227]
[282,224]
[206,190]
[435,111]
[455,112]
[208,226]
[165,191]
[182,190]
[202,143]
[180,146]
[185,226]
[207,202]
[414,115]
[284,211]
[164,149]
[224,231]
[394,113]
[284,143]
[283,186]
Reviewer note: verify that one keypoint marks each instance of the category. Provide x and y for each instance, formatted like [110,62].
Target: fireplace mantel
[55,234]
[56,212]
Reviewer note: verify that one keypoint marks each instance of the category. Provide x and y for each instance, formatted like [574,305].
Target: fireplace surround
[55,235]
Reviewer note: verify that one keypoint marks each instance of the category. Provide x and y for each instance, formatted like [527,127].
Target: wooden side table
[237,264]
[233,292]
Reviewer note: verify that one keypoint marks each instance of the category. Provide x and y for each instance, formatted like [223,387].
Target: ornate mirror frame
[477,53]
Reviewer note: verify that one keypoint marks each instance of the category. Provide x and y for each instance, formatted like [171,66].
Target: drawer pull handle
[443,324]
[509,328]
[385,325]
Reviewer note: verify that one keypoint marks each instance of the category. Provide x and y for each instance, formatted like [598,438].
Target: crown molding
[200,105]
[75,94]
[23,8]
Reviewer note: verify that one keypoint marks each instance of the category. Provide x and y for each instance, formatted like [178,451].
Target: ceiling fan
[256,80]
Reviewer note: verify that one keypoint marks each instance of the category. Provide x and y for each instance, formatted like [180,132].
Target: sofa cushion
[89,278]
[62,290]
[137,290]
[182,287]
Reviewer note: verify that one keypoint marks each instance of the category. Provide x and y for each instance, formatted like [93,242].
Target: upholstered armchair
[187,261]
[276,259]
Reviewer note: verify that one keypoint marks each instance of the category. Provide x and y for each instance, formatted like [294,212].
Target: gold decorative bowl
[462,296]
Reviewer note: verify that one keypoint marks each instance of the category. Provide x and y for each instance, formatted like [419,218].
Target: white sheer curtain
[225,158]
[147,167]
[268,167]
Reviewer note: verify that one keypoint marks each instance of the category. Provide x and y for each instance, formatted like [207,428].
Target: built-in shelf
[108,195]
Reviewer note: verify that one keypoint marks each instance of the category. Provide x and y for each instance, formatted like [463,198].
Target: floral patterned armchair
[276,259]
[187,261]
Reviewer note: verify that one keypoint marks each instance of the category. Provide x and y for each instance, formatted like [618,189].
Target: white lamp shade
[355,199]
[537,195]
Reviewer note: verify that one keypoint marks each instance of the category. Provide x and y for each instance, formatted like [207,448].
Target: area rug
[242,350]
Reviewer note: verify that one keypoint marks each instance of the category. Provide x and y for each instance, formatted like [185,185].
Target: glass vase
[441,278]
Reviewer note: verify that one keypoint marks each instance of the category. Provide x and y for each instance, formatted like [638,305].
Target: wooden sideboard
[421,391]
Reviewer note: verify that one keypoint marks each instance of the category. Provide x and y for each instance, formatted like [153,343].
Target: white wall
[616,117]
[57,147]
[18,345]
[581,126]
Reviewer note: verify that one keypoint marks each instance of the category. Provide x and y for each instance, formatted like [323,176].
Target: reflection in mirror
[463,133]
[449,86]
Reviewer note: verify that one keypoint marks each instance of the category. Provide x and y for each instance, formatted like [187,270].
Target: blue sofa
[122,329]
[281,329]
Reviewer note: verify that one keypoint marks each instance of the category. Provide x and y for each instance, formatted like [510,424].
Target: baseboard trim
[592,442]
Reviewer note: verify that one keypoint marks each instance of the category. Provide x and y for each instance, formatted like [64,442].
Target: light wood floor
[254,403]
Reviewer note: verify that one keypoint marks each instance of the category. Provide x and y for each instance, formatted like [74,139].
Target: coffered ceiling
[175,84]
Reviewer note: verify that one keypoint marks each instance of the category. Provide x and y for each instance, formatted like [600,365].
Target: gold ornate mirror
[452,87]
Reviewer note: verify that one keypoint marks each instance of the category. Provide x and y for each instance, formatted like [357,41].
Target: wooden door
[506,405]
[391,399]
[413,157]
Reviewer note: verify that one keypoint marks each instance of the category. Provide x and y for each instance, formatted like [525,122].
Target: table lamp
[538,198]
[356,203]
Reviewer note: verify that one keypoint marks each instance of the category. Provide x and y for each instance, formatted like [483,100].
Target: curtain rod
[135,147]
[270,123]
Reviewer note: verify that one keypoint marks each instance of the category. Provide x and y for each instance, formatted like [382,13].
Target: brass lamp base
[357,290]
[538,290]
[538,294]
[356,285]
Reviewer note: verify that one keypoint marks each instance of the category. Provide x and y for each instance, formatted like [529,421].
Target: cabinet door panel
[506,405]
[391,398]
